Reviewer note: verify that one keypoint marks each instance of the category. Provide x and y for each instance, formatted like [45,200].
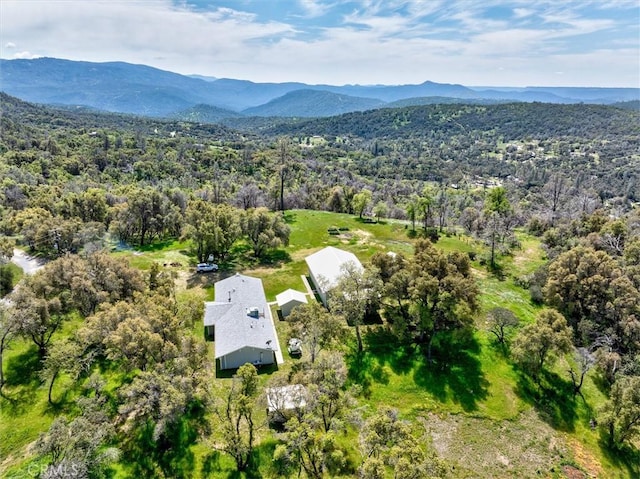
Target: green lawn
[24,409]
[165,252]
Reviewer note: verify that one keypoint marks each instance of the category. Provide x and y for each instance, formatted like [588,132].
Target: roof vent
[253,312]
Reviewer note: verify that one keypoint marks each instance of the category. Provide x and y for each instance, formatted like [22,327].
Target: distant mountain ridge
[203,113]
[143,90]
[313,103]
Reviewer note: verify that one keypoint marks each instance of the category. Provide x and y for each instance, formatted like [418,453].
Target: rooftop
[290,295]
[327,264]
[241,315]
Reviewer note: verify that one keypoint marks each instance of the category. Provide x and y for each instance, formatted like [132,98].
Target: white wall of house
[321,292]
[251,355]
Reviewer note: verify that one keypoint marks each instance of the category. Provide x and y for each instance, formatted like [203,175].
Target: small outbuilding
[326,266]
[289,299]
[285,401]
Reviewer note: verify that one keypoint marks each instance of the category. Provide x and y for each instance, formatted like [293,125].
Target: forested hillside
[494,331]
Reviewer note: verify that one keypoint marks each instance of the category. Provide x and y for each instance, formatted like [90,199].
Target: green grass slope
[482,414]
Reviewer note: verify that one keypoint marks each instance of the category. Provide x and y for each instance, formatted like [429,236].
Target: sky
[516,43]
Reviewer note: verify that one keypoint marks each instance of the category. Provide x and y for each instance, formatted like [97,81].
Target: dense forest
[468,193]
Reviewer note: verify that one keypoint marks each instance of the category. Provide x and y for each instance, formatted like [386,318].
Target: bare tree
[584,361]
[284,160]
[500,320]
[555,191]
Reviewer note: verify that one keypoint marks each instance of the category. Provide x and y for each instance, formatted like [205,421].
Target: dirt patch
[302,254]
[181,279]
[480,447]
[478,273]
[585,460]
[571,472]
[525,256]
[17,457]
[262,271]
[361,236]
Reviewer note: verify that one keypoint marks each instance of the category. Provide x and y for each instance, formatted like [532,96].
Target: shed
[284,401]
[326,267]
[289,299]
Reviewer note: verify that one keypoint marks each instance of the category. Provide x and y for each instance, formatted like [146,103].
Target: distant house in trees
[240,323]
[289,299]
[326,266]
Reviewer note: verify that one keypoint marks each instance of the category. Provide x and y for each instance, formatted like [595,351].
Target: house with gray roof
[240,323]
[326,266]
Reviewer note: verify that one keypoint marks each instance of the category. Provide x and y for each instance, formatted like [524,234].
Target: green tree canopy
[264,230]
[537,344]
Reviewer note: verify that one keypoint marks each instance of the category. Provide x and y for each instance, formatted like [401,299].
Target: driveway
[29,264]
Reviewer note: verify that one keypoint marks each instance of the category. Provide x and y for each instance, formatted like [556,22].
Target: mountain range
[143,90]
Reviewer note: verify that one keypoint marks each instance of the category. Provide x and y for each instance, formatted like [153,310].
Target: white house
[326,266]
[289,299]
[240,323]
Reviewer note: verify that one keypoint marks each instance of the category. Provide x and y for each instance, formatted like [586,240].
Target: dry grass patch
[585,459]
[523,448]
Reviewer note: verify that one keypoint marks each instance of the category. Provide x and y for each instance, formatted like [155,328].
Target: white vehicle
[206,267]
[295,347]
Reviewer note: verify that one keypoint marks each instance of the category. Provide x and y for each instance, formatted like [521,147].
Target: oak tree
[537,344]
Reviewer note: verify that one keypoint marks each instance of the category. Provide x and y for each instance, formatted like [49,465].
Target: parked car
[206,267]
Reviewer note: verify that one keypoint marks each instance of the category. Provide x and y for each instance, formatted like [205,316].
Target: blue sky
[471,42]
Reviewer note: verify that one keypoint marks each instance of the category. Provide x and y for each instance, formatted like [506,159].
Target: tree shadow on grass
[290,217]
[390,350]
[210,464]
[21,381]
[624,456]
[170,455]
[158,245]
[382,348]
[497,271]
[22,369]
[552,397]
[455,374]
[501,349]
[275,257]
[262,458]
[213,468]
[364,370]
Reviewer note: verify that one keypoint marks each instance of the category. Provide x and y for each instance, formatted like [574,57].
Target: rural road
[29,264]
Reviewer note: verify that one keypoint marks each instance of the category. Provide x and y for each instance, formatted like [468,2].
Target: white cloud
[522,12]
[314,8]
[390,41]
[10,45]
[24,56]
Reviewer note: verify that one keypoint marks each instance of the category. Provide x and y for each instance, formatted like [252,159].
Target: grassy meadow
[480,413]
